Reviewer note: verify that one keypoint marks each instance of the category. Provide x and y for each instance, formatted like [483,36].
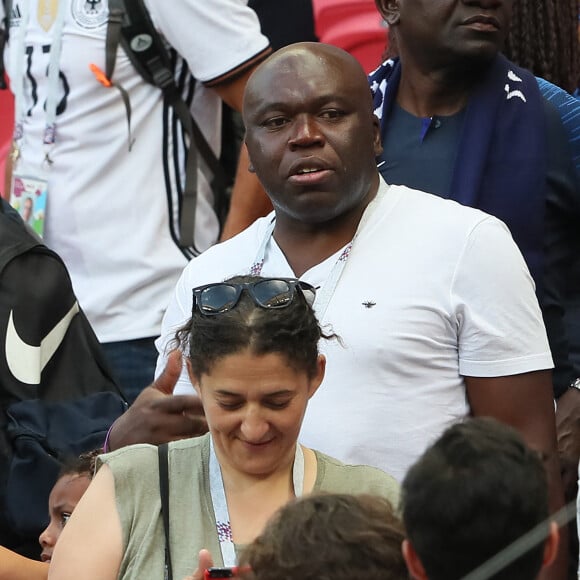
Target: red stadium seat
[354,25]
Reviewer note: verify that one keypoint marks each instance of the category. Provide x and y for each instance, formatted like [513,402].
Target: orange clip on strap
[100,75]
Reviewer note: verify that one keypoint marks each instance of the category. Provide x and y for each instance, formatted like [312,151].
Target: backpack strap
[131,26]
[4,32]
[162,452]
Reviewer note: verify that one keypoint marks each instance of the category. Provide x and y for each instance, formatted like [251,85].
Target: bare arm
[91,544]
[249,200]
[16,567]
[525,402]
[568,424]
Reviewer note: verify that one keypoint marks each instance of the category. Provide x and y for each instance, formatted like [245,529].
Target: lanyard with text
[220,505]
[324,295]
[18,81]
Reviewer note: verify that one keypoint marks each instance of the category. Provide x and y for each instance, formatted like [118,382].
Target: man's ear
[193,379]
[414,566]
[551,545]
[389,10]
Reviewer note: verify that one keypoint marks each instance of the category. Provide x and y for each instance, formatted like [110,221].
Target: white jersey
[432,291]
[107,212]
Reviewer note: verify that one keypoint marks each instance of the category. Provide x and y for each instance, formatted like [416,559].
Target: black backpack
[57,395]
[130,25]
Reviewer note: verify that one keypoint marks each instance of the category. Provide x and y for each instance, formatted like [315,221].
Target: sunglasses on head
[212,299]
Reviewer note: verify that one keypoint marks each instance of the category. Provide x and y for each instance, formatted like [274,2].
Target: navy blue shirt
[421,153]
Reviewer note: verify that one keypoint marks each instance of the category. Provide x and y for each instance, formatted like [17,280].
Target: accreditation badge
[28,196]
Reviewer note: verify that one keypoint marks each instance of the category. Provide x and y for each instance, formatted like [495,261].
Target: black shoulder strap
[131,25]
[4,32]
[162,452]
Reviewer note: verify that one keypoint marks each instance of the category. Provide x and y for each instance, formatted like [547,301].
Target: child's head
[72,482]
[339,536]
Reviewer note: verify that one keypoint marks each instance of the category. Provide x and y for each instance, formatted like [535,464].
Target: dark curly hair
[544,39]
[84,464]
[329,537]
[293,332]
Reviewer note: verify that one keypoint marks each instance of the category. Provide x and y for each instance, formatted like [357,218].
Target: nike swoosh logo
[26,362]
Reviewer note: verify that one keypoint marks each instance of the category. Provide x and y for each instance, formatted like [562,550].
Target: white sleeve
[500,326]
[214,36]
[177,314]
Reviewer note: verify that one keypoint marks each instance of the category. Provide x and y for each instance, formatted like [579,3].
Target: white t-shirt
[432,291]
[107,213]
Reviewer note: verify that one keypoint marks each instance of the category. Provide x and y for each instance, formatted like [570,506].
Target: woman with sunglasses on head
[251,349]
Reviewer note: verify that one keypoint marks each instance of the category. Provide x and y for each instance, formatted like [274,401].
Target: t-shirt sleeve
[500,326]
[177,314]
[218,39]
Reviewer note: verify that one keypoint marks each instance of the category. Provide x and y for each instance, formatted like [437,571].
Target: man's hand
[568,428]
[157,416]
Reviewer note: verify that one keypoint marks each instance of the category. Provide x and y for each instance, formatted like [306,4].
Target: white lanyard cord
[325,294]
[220,504]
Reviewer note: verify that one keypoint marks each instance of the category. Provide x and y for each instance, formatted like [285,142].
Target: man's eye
[332,114]
[64,518]
[275,122]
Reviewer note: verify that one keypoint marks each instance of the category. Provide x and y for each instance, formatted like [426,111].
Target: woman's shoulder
[193,451]
[141,457]
[132,455]
[338,477]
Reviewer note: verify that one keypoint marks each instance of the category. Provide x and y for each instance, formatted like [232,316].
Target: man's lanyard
[324,295]
[18,81]
[220,505]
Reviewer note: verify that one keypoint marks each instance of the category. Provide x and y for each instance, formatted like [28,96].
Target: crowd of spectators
[395,299]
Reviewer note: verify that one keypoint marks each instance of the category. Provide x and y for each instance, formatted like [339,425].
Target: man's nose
[306,132]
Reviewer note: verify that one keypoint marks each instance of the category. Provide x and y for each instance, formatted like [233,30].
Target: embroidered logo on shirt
[512,76]
[89,13]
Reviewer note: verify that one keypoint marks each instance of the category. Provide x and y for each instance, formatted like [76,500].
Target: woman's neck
[253,499]
[240,483]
